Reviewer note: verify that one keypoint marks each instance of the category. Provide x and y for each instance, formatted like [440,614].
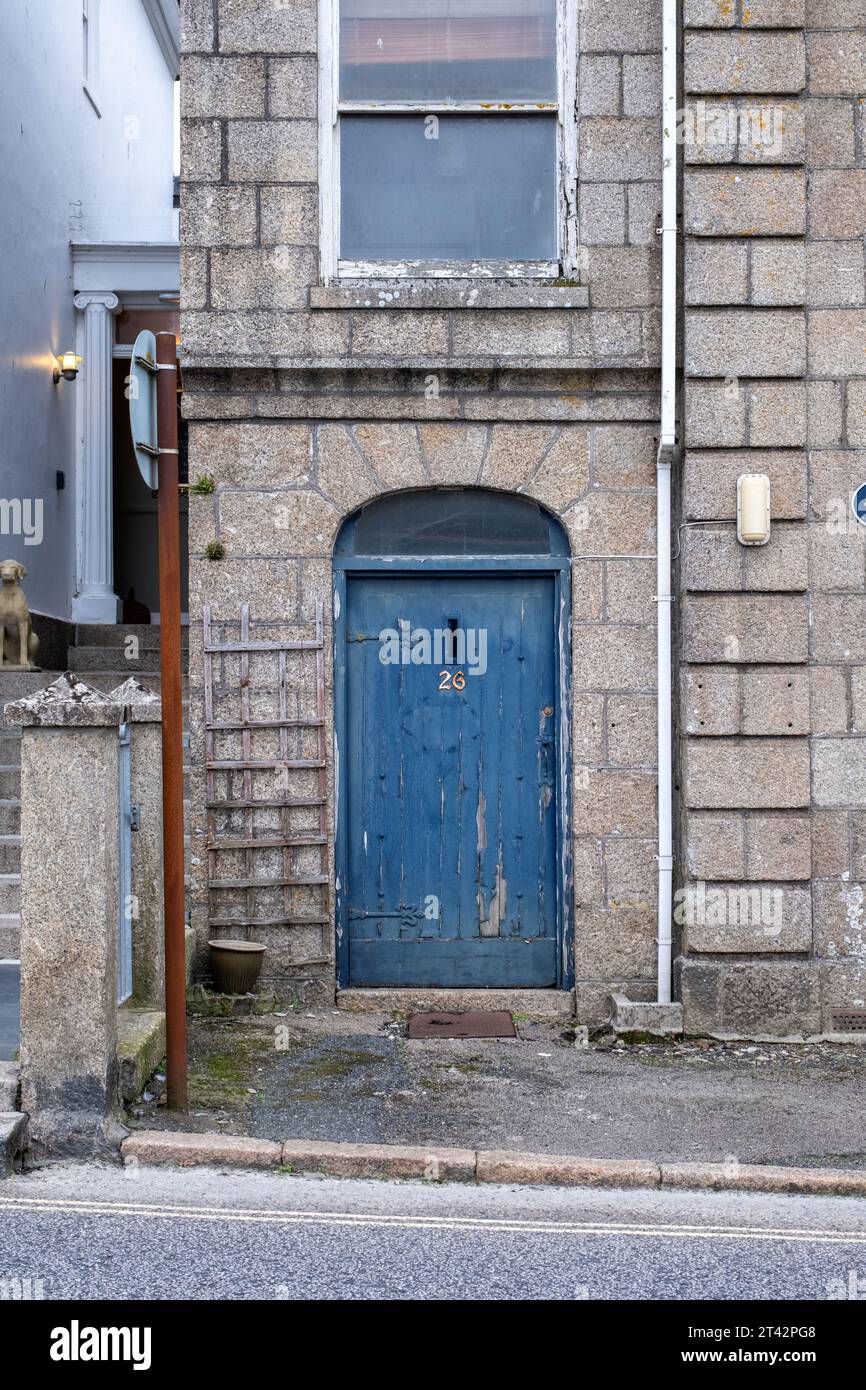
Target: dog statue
[18,642]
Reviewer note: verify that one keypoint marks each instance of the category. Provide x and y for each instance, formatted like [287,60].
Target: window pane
[484,188]
[448,50]
[453,521]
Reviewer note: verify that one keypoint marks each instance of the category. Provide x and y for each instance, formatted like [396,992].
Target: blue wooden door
[451,779]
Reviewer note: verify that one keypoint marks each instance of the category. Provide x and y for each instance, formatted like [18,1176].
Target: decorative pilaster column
[95,600]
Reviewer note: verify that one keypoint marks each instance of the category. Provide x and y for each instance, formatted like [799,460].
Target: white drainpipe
[667,445]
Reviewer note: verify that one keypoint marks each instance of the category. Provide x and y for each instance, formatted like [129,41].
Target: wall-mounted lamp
[67,367]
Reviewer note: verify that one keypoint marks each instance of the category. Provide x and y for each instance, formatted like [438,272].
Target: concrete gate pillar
[71,906]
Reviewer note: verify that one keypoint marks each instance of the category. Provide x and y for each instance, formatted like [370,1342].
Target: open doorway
[136,544]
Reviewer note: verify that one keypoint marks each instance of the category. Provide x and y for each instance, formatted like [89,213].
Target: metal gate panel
[125,904]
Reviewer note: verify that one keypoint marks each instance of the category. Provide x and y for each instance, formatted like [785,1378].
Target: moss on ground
[309,1076]
[222,1067]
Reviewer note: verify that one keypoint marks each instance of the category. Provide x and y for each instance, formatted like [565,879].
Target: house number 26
[452,680]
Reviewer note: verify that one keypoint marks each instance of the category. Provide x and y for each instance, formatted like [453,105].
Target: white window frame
[334,270]
[90,52]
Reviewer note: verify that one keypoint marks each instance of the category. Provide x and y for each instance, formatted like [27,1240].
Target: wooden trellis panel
[267,789]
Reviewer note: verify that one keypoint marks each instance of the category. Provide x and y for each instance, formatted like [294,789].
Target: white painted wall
[68,175]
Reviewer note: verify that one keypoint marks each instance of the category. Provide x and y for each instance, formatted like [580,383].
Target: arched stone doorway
[451,688]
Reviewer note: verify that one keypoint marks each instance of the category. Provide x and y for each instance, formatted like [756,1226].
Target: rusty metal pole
[172,723]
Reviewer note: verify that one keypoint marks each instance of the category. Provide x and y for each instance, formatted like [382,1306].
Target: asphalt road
[96,1232]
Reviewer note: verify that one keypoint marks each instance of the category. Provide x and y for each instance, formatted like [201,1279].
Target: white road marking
[361,1220]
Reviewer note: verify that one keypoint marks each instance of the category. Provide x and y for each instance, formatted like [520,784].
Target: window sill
[452,294]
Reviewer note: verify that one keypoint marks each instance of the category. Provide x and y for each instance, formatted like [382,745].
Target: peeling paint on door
[493,915]
[452,787]
[481,818]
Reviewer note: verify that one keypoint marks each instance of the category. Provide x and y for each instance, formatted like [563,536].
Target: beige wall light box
[753,509]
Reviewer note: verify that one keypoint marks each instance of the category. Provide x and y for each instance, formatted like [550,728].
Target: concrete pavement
[92,1232]
[340,1077]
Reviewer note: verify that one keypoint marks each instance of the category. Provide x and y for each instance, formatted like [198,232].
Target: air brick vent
[854,1021]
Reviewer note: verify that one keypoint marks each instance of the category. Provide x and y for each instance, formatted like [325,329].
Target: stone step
[10,936]
[84,659]
[16,684]
[10,780]
[10,1083]
[114,635]
[13,1141]
[10,854]
[10,894]
[10,745]
[140,1047]
[533,1003]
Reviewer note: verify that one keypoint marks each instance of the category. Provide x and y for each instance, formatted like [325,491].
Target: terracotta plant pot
[236,965]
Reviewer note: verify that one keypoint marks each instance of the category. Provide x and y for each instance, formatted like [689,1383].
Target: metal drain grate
[854,1021]
[475,1023]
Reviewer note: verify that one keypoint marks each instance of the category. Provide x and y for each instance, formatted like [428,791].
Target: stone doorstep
[10,937]
[10,1086]
[531,1003]
[140,1048]
[13,1141]
[446,1164]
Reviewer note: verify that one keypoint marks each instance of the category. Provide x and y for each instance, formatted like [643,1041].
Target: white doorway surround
[106,278]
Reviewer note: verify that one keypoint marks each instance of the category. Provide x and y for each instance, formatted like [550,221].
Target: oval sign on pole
[858,504]
[141,389]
